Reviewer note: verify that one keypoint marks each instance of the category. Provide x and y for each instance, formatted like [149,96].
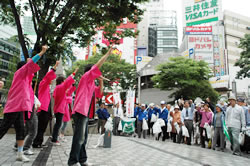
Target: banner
[130,103]
[201,11]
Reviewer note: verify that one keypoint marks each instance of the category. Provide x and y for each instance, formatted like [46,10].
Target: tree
[187,77]
[60,23]
[244,61]
[115,69]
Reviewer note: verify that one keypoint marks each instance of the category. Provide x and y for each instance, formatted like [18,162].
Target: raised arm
[38,56]
[104,58]
[56,65]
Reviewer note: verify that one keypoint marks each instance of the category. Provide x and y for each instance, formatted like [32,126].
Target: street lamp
[234,90]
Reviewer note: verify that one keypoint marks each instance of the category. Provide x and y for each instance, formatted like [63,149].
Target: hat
[241,100]
[232,97]
[163,102]
[176,107]
[143,105]
[151,104]
[106,104]
[218,105]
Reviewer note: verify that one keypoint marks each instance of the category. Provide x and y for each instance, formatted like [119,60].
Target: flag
[226,130]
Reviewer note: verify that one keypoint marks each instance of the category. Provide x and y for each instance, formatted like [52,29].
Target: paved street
[125,151]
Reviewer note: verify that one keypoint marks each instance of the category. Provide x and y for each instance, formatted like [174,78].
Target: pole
[139,88]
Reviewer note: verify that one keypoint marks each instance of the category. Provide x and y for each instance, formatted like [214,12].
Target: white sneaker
[76,164]
[86,163]
[57,143]
[22,157]
[64,139]
[28,152]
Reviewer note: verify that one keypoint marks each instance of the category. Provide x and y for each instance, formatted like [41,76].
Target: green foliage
[63,23]
[187,77]
[113,69]
[244,61]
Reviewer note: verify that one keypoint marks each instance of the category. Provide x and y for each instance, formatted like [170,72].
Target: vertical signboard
[200,43]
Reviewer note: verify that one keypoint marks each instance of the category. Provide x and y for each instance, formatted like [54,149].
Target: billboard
[219,53]
[198,30]
[203,47]
[201,11]
[220,82]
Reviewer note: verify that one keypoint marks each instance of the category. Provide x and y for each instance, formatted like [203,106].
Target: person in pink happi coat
[68,112]
[60,103]
[19,101]
[44,111]
[83,104]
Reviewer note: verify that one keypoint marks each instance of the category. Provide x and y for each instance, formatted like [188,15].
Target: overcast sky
[239,6]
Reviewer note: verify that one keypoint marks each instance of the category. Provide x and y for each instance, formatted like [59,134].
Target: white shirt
[118,112]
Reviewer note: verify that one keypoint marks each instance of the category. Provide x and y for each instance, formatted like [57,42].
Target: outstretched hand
[56,65]
[76,70]
[44,48]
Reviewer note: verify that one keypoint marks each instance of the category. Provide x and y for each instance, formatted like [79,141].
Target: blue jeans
[78,152]
[57,126]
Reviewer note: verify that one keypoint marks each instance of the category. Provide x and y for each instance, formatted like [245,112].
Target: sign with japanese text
[199,30]
[130,103]
[201,11]
[203,47]
[218,50]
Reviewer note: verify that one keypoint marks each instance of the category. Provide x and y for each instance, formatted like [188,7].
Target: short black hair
[59,80]
[88,67]
[20,64]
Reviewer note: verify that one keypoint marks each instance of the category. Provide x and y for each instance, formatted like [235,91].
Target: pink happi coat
[85,91]
[69,99]
[19,96]
[44,90]
[60,95]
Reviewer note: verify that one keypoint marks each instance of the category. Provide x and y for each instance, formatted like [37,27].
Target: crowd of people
[203,121]
[207,124]
[30,114]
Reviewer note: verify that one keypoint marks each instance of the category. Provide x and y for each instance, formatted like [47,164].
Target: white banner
[130,103]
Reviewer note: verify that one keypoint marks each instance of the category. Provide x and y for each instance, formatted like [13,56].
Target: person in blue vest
[163,114]
[151,110]
[142,114]
[103,116]
[136,108]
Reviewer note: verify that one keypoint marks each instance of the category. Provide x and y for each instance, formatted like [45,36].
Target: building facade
[236,26]
[9,54]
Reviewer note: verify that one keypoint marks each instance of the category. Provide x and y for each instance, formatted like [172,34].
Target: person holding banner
[142,116]
[236,122]
[85,101]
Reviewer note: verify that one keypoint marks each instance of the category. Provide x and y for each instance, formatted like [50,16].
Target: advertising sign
[201,11]
[203,47]
[220,82]
[130,103]
[199,30]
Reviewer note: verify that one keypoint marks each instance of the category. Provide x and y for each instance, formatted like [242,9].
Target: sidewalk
[125,151]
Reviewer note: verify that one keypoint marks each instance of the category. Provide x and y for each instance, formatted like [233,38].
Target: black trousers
[15,118]
[57,126]
[190,128]
[203,138]
[177,137]
[43,120]
[164,132]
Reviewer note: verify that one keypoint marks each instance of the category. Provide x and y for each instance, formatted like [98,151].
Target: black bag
[246,146]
